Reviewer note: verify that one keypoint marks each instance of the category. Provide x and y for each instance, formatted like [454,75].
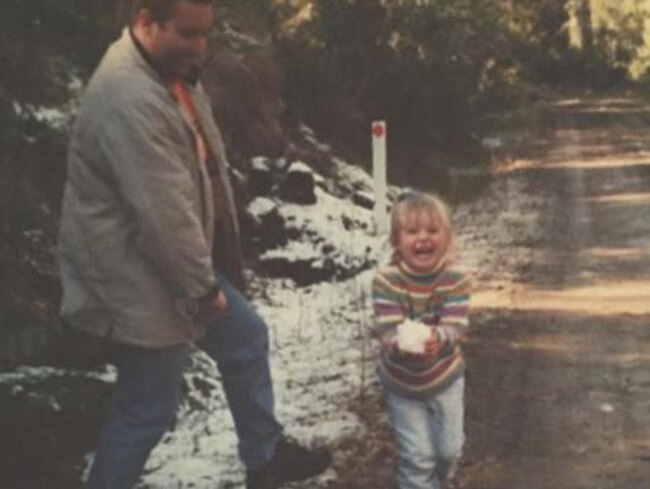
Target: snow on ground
[321,356]
[330,230]
[496,235]
[317,352]
[58,117]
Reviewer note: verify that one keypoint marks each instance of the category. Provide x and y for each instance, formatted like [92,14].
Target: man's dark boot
[290,462]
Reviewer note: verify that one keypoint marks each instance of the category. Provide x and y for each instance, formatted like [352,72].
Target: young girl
[423,391]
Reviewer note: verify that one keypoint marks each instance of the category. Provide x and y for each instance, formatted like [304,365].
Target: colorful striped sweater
[439,299]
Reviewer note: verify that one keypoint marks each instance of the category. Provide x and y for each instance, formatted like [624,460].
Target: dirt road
[559,363]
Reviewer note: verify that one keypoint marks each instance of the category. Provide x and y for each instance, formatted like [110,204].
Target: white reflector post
[378,132]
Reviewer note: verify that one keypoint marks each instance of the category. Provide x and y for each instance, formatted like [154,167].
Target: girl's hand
[431,346]
[390,343]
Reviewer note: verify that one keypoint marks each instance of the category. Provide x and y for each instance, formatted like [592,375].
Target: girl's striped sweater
[439,299]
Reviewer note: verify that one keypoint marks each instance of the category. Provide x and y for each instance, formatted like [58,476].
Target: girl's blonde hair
[416,202]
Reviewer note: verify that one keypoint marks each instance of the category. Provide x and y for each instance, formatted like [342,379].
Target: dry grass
[366,459]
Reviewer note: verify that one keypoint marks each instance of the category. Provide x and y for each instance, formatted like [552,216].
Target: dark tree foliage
[542,40]
[45,45]
[435,70]
[428,69]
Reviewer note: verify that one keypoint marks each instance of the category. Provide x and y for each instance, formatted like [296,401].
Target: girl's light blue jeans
[148,386]
[428,434]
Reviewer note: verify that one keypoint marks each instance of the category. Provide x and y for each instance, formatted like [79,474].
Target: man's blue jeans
[428,434]
[148,386]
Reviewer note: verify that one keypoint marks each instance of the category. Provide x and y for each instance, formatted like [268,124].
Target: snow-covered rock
[364,199]
[49,420]
[260,176]
[331,239]
[299,184]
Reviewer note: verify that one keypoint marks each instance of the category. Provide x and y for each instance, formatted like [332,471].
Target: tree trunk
[583,16]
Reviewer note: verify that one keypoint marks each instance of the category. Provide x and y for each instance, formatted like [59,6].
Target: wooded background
[445,74]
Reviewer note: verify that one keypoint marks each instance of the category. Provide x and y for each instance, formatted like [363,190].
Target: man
[148,215]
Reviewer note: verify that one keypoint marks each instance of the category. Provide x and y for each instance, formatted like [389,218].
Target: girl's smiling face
[421,241]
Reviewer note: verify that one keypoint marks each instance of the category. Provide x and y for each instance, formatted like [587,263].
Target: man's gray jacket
[137,226]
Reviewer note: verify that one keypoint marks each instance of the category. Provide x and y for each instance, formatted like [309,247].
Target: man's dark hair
[161,10]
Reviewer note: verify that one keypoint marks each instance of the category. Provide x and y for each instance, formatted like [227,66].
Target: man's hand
[220,302]
[213,303]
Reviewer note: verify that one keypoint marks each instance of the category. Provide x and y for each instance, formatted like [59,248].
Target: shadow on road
[558,389]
